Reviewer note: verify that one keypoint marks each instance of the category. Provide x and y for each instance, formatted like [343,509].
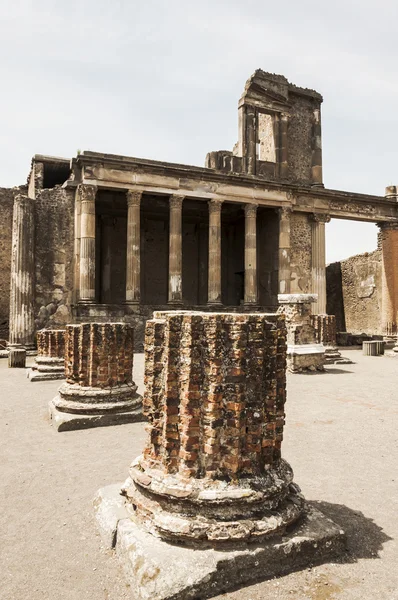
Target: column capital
[320,218]
[176,201]
[87,192]
[250,210]
[133,197]
[215,205]
[284,212]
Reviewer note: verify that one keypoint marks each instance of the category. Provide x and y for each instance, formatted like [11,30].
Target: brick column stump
[99,388]
[16,357]
[304,352]
[211,476]
[325,333]
[50,360]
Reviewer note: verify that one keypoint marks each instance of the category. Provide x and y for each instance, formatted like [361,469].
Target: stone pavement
[341,439]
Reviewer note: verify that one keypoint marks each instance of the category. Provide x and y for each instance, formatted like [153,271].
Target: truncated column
[50,360]
[99,388]
[133,275]
[250,254]
[87,242]
[175,250]
[22,324]
[214,291]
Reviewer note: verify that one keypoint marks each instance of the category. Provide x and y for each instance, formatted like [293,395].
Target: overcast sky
[161,79]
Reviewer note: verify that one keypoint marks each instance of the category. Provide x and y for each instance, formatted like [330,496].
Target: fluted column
[284,250]
[76,249]
[389,280]
[214,288]
[22,322]
[133,275]
[250,254]
[175,250]
[318,261]
[87,242]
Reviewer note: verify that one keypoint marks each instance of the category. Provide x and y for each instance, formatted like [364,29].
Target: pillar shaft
[283,145]
[284,250]
[87,242]
[250,254]
[389,304]
[133,275]
[318,261]
[316,161]
[76,249]
[251,140]
[214,288]
[175,250]
[22,323]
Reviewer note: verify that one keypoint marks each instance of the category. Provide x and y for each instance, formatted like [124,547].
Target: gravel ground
[341,438]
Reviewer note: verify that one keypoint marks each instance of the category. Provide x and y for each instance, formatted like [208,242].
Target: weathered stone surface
[99,388]
[17,357]
[153,566]
[304,352]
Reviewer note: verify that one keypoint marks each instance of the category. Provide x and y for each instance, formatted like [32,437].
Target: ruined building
[107,237]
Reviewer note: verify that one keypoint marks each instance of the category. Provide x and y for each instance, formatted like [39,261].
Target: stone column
[214,287]
[50,360]
[87,242]
[22,291]
[76,249]
[283,152]
[133,275]
[316,159]
[284,250]
[99,388]
[251,140]
[175,250]
[318,261]
[389,303]
[250,254]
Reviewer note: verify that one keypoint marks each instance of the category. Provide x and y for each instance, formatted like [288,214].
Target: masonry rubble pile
[211,475]
[99,388]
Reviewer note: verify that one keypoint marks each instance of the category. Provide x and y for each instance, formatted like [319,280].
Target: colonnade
[85,249]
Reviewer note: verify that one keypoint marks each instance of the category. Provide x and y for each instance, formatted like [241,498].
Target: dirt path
[341,439]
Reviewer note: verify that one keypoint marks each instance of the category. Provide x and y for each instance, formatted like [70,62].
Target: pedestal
[50,361]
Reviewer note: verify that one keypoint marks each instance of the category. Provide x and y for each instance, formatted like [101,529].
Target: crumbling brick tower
[215,393]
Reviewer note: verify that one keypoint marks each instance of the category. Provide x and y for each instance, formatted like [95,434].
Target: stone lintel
[153,566]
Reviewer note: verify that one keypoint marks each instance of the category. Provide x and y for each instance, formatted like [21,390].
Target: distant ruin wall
[354,293]
[54,210]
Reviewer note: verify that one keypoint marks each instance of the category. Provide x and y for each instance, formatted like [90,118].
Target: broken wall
[359,279]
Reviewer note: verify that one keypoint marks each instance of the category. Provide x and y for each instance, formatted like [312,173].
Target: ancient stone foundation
[50,359]
[99,388]
[211,476]
[304,351]
[325,333]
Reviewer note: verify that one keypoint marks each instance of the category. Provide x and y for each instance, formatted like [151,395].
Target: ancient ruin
[99,388]
[128,235]
[211,475]
[50,360]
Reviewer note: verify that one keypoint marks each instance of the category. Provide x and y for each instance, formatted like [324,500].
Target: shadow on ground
[365,538]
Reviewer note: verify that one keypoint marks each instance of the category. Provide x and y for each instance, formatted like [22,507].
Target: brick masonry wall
[359,279]
[215,393]
[54,215]
[300,262]
[99,354]
[300,139]
[51,343]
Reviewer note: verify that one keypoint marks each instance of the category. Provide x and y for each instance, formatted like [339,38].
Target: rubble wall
[354,293]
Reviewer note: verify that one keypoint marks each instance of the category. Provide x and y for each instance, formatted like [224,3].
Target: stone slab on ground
[157,570]
[63,421]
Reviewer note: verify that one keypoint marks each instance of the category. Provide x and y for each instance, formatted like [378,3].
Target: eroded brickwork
[325,329]
[51,343]
[99,354]
[214,398]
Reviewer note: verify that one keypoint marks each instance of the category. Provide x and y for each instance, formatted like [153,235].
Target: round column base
[76,399]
